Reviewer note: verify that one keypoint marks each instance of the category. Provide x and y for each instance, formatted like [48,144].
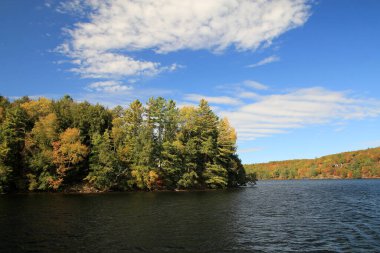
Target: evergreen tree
[156,116]
[215,176]
[171,163]
[4,103]
[90,119]
[106,171]
[227,157]
[125,131]
[188,146]
[63,109]
[206,124]
[12,137]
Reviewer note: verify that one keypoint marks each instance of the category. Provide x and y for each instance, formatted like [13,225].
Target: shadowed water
[306,215]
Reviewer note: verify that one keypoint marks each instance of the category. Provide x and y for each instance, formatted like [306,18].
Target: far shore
[295,179]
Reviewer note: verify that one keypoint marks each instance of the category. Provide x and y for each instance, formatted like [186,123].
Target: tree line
[55,145]
[356,164]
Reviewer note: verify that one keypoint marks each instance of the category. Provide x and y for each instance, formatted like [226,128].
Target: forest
[64,145]
[355,164]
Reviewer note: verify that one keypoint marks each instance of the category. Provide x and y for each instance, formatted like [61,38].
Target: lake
[304,215]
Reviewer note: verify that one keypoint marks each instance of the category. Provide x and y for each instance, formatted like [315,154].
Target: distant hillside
[356,164]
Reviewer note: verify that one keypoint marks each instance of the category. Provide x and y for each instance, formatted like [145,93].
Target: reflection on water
[325,215]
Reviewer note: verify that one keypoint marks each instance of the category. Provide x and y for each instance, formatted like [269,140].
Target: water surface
[305,215]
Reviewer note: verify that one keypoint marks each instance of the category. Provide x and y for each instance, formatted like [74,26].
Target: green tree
[12,139]
[189,180]
[215,176]
[206,126]
[106,171]
[90,119]
[125,131]
[171,163]
[4,103]
[5,170]
[188,146]
[63,109]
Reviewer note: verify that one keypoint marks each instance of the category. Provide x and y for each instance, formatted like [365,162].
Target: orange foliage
[68,151]
[356,164]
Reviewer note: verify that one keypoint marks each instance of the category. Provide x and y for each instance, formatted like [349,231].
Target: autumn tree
[39,147]
[37,108]
[68,153]
[226,155]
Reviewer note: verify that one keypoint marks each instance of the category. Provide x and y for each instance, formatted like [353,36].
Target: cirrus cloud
[265,115]
[265,61]
[278,113]
[255,85]
[221,100]
[109,87]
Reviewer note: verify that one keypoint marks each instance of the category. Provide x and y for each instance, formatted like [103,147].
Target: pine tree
[12,137]
[63,109]
[215,176]
[189,146]
[106,172]
[206,124]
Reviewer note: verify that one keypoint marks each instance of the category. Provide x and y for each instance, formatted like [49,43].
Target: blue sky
[297,79]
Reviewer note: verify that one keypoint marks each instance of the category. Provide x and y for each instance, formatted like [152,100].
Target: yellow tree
[37,108]
[226,141]
[38,145]
[227,156]
[68,153]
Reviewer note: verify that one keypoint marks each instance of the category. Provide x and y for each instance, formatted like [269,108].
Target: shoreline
[68,191]
[295,179]
[79,192]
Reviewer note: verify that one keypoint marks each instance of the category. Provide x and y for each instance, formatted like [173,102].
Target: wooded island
[59,145]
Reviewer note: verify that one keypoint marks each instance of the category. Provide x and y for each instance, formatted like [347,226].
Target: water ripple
[274,216]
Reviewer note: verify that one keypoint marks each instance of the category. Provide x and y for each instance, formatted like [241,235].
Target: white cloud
[222,100]
[265,61]
[109,87]
[248,94]
[97,64]
[123,97]
[255,85]
[279,113]
[102,46]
